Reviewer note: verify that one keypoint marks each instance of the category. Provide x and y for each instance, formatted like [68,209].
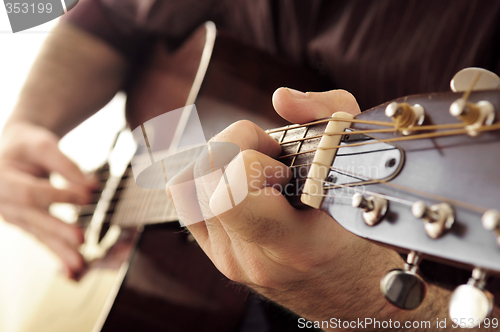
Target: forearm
[359,300]
[74,75]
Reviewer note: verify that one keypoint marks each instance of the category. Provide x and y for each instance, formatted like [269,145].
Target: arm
[301,259]
[74,75]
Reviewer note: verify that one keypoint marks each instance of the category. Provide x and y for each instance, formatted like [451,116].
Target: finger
[248,135]
[46,153]
[41,222]
[217,193]
[244,178]
[25,189]
[67,252]
[300,107]
[47,194]
[71,259]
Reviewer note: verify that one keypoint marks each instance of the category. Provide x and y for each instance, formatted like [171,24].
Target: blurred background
[26,267]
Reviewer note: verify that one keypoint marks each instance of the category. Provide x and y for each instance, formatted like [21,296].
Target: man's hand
[28,154]
[301,259]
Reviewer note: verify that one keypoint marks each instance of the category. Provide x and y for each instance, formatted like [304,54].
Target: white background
[25,265]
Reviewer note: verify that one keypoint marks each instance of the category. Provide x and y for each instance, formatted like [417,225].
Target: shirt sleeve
[130,26]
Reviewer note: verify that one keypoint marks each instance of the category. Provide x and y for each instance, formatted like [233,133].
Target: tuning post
[404,287]
[491,221]
[471,302]
[474,115]
[374,208]
[437,218]
[405,116]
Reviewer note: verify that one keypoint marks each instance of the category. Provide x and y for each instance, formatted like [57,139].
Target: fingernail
[297,94]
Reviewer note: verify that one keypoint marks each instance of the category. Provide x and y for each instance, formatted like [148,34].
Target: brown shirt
[378,50]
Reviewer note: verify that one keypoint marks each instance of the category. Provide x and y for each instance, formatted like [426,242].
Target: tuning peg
[462,80]
[404,287]
[491,221]
[405,116]
[437,219]
[374,208]
[474,115]
[471,302]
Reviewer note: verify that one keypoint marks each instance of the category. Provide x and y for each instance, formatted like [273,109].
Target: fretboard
[295,142]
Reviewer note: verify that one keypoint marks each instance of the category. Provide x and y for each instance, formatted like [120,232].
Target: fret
[290,148]
[299,145]
[278,136]
[283,136]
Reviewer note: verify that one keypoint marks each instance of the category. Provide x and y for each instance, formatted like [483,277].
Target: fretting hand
[301,259]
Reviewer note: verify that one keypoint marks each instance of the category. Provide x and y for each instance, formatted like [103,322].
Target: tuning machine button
[437,218]
[487,80]
[405,116]
[471,302]
[374,208]
[474,115]
[404,287]
[491,221]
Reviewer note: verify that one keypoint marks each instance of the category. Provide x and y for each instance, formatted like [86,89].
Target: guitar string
[388,197]
[377,123]
[465,96]
[374,131]
[355,189]
[464,205]
[492,127]
[472,84]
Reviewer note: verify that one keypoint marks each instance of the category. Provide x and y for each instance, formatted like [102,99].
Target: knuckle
[45,144]
[249,155]
[229,268]
[242,125]
[238,129]
[262,277]
[28,195]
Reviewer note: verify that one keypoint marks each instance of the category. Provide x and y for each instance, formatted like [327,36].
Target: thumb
[299,107]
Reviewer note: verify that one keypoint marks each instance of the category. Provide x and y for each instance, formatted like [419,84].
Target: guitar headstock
[446,181]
